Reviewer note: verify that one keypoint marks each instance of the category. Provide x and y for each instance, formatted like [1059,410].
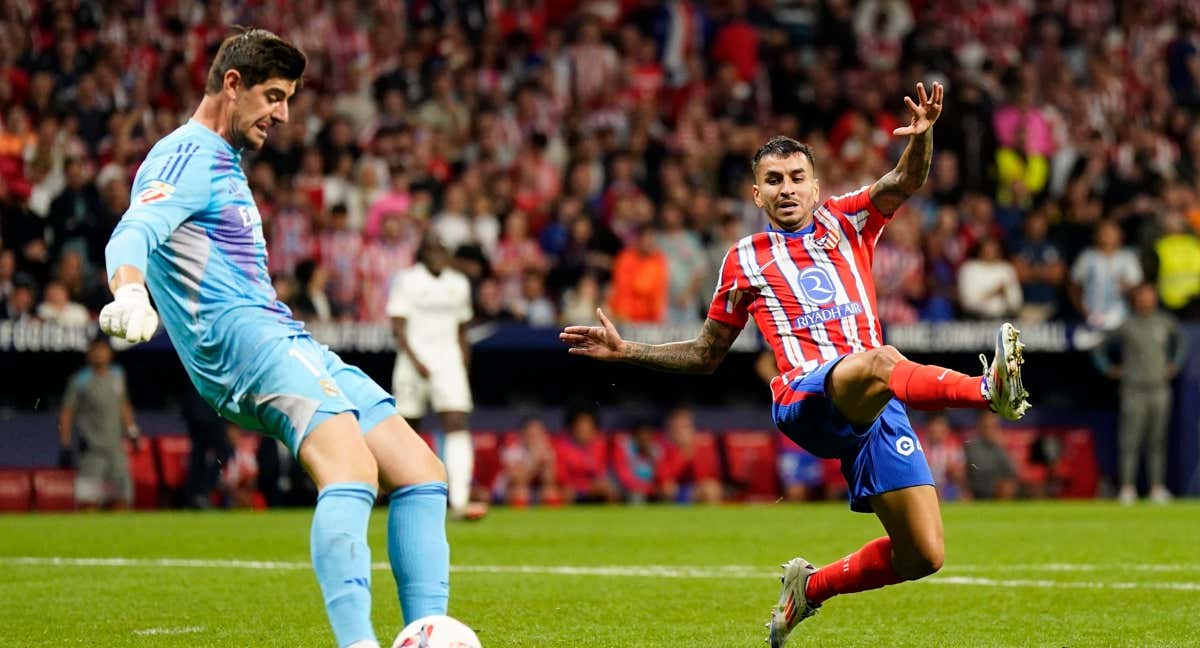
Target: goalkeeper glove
[129,316]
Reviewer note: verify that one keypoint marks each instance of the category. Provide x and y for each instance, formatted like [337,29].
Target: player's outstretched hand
[129,316]
[599,342]
[924,113]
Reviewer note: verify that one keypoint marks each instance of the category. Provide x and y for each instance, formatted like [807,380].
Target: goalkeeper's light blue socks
[342,559]
[418,550]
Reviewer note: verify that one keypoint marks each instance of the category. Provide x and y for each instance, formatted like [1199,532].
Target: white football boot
[793,607]
[1002,378]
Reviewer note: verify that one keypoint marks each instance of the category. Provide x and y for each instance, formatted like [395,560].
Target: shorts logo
[157,190]
[817,285]
[328,386]
[906,446]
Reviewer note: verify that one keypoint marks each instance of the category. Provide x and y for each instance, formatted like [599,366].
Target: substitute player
[193,235]
[430,307]
[841,392]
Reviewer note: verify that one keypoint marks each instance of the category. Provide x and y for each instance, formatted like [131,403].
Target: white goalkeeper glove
[129,316]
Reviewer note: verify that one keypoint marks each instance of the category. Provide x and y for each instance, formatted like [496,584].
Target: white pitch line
[169,631]
[651,571]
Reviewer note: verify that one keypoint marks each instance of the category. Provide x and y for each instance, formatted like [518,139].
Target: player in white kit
[430,307]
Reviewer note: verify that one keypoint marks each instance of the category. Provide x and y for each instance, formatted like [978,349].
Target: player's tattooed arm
[701,354]
[913,168]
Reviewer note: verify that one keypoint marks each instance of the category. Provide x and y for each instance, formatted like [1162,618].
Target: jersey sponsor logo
[156,190]
[817,285]
[835,312]
[905,445]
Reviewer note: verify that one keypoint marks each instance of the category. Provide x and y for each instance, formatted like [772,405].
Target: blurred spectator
[685,266]
[1177,256]
[97,403]
[532,305]
[516,253]
[801,474]
[341,249]
[21,299]
[579,303]
[72,217]
[947,462]
[897,270]
[1152,351]
[639,288]
[312,302]
[688,474]
[57,307]
[987,283]
[991,473]
[489,303]
[582,456]
[382,258]
[1041,269]
[528,468]
[8,270]
[1102,277]
[636,462]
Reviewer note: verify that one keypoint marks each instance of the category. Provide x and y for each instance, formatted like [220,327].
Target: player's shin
[459,457]
[417,549]
[342,559]
[931,388]
[868,568]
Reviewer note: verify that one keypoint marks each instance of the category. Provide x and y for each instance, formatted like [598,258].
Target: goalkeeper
[194,236]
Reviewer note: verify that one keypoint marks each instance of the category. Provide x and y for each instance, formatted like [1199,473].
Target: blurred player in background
[841,393]
[97,400]
[430,307]
[193,235]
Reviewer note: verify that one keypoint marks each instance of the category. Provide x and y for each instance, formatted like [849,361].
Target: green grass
[1118,583]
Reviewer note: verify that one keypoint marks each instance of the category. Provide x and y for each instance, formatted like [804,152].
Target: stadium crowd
[575,154]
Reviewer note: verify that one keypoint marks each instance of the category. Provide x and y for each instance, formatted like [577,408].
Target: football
[437,631]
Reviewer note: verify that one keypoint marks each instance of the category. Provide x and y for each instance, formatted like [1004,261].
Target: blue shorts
[881,457]
[295,384]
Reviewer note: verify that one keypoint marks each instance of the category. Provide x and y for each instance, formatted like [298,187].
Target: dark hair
[782,146]
[258,55]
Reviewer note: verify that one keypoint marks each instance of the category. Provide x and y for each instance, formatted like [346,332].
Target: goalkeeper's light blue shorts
[295,384]
[878,458]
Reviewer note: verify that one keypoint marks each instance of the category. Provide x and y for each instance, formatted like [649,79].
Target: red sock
[928,387]
[866,569]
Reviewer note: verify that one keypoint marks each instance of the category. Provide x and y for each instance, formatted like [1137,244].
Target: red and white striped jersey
[811,292]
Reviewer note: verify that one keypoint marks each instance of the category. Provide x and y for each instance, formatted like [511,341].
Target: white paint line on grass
[652,571]
[169,631]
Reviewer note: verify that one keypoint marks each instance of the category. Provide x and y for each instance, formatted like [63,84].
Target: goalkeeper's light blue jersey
[192,228]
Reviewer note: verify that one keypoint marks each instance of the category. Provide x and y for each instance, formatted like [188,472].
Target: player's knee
[924,562]
[883,361]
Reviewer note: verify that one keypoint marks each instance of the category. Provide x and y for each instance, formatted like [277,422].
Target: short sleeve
[1079,269]
[857,209]
[733,295]
[74,387]
[465,312]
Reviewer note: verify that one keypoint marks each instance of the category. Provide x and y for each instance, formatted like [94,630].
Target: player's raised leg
[345,472]
[415,481]
[863,383]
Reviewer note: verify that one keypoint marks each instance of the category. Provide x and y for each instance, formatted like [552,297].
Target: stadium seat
[487,459]
[750,459]
[172,453]
[54,490]
[145,477]
[1077,465]
[16,490]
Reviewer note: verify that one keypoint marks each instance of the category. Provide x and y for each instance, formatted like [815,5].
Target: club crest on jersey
[817,286]
[157,190]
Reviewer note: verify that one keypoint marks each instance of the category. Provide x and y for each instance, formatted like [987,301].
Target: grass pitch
[1058,574]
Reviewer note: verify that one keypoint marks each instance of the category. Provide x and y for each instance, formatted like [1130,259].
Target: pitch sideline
[656,571]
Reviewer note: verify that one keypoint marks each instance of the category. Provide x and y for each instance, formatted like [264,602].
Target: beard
[237,136]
